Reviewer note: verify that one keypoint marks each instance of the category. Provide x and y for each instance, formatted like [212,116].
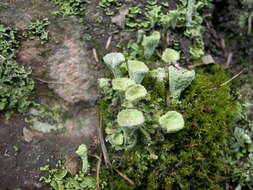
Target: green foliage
[38,29]
[15,84]
[245,19]
[67,7]
[190,159]
[15,87]
[8,42]
[106,5]
[240,156]
[188,17]
[59,179]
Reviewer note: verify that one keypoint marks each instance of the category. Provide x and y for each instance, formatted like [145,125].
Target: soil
[20,160]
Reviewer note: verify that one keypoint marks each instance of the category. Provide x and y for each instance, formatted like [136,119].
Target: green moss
[191,158]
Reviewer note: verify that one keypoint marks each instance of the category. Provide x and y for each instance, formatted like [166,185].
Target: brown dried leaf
[119,19]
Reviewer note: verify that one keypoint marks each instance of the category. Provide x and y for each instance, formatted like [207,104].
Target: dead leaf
[72,163]
[200,159]
[119,19]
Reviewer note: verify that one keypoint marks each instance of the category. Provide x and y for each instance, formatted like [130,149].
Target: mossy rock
[191,158]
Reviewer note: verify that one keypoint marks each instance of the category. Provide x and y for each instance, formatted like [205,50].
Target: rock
[71,68]
[83,127]
[30,55]
[207,59]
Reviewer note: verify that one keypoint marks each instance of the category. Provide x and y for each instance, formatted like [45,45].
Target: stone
[82,128]
[71,70]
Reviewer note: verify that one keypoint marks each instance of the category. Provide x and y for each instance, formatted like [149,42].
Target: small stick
[228,81]
[124,176]
[51,82]
[102,142]
[108,42]
[98,172]
[223,84]
[229,59]
[94,51]
[2,57]
[117,171]
[198,65]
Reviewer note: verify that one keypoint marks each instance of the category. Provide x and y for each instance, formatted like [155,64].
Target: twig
[105,154]
[229,59]
[108,42]
[96,156]
[198,65]
[228,81]
[94,51]
[102,142]
[2,57]
[51,82]
[124,176]
[223,84]
[249,22]
[98,173]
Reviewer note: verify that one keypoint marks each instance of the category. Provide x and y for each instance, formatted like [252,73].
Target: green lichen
[190,159]
[59,179]
[82,151]
[67,7]
[38,29]
[15,85]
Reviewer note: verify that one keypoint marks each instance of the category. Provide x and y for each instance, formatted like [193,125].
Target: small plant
[15,84]
[8,42]
[132,95]
[38,29]
[192,158]
[59,178]
[67,7]
[106,5]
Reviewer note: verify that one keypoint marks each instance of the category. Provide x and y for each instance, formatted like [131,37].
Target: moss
[191,158]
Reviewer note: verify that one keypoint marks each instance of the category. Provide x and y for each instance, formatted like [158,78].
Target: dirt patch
[20,160]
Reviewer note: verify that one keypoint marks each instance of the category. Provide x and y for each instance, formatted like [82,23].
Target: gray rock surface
[71,67]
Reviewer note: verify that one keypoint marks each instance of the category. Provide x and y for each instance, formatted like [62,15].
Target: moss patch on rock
[191,158]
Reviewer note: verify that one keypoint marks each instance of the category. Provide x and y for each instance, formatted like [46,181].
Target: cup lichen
[137,70]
